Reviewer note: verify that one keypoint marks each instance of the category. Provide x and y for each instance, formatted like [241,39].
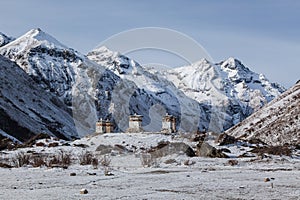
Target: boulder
[225,139]
[104,149]
[206,150]
[121,149]
[40,144]
[84,191]
[53,144]
[266,179]
[171,148]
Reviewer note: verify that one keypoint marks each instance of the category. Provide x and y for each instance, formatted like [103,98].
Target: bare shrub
[85,158]
[105,163]
[63,159]
[233,162]
[38,161]
[21,159]
[95,163]
[147,160]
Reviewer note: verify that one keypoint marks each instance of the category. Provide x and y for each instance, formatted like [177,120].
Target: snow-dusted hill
[276,123]
[26,109]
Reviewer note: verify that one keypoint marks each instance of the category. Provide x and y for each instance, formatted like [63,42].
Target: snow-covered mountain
[277,123]
[63,72]
[219,95]
[232,90]
[46,60]
[4,39]
[89,89]
[27,109]
[108,85]
[165,97]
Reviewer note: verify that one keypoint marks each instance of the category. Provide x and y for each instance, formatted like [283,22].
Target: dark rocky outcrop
[168,148]
[206,150]
[104,149]
[225,139]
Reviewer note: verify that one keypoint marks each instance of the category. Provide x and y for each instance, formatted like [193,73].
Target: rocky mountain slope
[26,109]
[90,90]
[277,123]
[165,97]
[108,85]
[232,90]
[227,92]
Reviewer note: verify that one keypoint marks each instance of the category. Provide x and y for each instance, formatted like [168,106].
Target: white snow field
[183,178]
[208,179]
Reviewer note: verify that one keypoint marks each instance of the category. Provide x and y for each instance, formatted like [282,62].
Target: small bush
[232,162]
[85,158]
[38,161]
[63,159]
[147,160]
[95,163]
[105,163]
[21,159]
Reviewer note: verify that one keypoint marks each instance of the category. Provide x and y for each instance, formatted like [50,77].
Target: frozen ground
[207,179]
[201,178]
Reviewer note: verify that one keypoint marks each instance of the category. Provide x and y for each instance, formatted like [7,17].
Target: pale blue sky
[263,34]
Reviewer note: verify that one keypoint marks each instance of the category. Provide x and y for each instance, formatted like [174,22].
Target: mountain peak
[39,35]
[35,37]
[233,64]
[104,51]
[114,61]
[202,62]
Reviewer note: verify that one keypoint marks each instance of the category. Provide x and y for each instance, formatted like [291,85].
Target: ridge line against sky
[263,34]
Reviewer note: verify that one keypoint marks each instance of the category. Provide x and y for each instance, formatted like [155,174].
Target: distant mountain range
[60,83]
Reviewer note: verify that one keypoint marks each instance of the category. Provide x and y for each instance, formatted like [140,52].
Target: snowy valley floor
[174,176]
[208,179]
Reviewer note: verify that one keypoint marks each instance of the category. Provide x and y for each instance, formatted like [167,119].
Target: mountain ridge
[94,86]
